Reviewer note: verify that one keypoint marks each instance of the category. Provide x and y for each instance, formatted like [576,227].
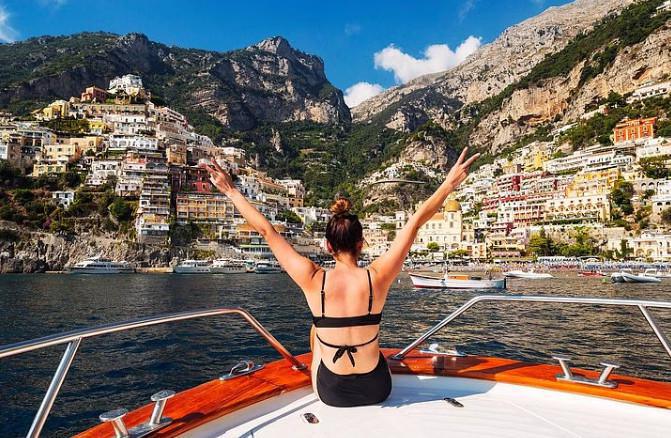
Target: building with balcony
[634,129]
[581,209]
[64,198]
[101,171]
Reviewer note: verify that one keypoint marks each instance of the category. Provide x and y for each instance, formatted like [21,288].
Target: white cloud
[7,32]
[361,91]
[437,57]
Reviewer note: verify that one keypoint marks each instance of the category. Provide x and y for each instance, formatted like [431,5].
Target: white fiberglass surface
[416,408]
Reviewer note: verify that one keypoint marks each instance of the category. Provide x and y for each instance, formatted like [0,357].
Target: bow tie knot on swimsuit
[345,349]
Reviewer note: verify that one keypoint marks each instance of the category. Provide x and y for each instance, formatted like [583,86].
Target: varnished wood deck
[204,403]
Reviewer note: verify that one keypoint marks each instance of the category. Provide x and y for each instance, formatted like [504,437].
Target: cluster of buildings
[547,186]
[150,154]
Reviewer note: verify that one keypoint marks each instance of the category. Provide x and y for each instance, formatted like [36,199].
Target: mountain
[488,71]
[269,82]
[540,75]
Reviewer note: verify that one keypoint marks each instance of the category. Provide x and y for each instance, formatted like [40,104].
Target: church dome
[452,205]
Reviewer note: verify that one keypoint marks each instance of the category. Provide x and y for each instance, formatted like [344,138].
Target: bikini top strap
[370,292]
[322,292]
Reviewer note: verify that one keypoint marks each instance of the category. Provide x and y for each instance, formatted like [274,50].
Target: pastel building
[444,228]
[634,129]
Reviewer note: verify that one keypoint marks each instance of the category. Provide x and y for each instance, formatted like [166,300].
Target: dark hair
[344,231]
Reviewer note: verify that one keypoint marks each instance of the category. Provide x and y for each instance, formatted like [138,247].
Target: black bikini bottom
[344,391]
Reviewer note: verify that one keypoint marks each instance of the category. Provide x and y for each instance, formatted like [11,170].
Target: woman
[347,366]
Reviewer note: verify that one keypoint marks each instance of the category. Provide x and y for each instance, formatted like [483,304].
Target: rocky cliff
[267,82]
[488,71]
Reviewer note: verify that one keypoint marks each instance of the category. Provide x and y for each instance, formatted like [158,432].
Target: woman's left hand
[219,177]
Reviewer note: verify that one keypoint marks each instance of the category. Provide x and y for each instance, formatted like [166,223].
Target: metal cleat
[436,351]
[116,418]
[602,381]
[157,420]
[242,369]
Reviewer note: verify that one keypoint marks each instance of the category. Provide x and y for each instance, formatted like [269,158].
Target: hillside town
[118,140]
[610,200]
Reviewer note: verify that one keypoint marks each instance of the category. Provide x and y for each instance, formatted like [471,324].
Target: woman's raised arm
[389,264]
[300,269]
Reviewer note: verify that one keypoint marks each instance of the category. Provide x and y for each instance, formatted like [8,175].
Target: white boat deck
[416,409]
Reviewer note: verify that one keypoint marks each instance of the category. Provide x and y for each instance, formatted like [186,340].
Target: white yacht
[99,265]
[267,267]
[228,266]
[193,267]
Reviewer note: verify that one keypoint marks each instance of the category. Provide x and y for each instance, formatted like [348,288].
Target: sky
[367,46]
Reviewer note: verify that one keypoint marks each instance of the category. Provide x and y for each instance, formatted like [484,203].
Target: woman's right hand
[459,171]
[219,177]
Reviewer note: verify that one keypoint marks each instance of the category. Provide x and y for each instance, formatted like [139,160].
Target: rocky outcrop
[267,82]
[39,252]
[495,66]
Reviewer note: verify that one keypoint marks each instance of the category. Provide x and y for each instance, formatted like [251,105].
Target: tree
[541,245]
[433,247]
[624,251]
[121,210]
[621,196]
[666,216]
[289,216]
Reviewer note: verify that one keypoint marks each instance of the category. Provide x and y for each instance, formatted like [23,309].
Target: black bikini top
[348,321]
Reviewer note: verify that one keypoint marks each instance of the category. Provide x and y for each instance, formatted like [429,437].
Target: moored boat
[267,267]
[193,267]
[456,281]
[100,265]
[432,391]
[627,276]
[228,266]
[529,275]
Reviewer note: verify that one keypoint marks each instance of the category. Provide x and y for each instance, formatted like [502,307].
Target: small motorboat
[529,275]
[596,274]
[456,281]
[626,276]
[654,273]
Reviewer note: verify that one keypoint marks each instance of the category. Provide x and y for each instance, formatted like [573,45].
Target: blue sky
[380,43]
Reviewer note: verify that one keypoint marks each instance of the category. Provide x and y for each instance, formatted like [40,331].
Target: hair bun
[341,206]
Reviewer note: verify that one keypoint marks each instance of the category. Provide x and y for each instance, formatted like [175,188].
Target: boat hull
[273,401]
[101,271]
[228,270]
[528,275]
[424,282]
[192,270]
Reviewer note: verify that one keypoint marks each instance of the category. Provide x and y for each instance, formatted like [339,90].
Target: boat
[433,390]
[655,273]
[228,266]
[626,276]
[528,275]
[456,281]
[100,265]
[596,274]
[267,267]
[193,267]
